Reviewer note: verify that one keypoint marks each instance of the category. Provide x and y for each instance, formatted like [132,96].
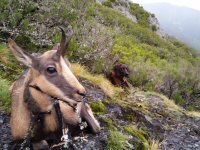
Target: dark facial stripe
[33,106]
[60,82]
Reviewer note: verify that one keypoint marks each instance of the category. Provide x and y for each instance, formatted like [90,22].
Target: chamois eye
[51,70]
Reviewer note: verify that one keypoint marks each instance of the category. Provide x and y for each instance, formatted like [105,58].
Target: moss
[109,123]
[98,108]
[190,108]
[117,141]
[142,142]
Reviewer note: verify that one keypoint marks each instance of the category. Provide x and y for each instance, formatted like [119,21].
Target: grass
[169,103]
[194,114]
[139,134]
[5,98]
[109,123]
[117,141]
[155,145]
[3,54]
[142,140]
[98,80]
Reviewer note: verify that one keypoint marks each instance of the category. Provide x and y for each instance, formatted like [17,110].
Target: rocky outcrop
[156,26]
[124,7]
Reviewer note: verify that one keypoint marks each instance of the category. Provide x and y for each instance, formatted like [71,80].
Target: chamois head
[50,71]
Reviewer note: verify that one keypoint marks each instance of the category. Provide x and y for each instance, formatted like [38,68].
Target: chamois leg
[41,145]
[87,114]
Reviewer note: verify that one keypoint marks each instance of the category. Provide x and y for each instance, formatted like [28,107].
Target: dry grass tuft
[194,114]
[155,145]
[98,80]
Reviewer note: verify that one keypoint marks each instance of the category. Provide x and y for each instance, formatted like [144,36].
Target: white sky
[195,4]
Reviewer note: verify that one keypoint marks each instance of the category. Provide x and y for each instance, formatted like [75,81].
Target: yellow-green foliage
[117,141]
[170,104]
[98,80]
[154,145]
[142,141]
[141,15]
[5,94]
[194,114]
[109,123]
[98,108]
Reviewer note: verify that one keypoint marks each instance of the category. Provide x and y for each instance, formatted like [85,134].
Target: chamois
[48,78]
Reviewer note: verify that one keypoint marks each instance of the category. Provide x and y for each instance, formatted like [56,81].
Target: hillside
[183,25]
[106,31]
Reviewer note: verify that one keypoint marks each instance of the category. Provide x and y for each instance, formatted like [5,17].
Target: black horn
[64,45]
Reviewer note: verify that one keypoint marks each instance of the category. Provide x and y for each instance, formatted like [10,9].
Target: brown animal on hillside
[119,75]
[47,79]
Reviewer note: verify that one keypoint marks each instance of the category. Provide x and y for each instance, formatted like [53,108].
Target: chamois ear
[20,54]
[64,45]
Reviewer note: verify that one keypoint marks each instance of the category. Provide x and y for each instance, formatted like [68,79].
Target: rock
[1,120]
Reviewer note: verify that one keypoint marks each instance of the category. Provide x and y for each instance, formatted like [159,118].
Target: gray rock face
[159,31]
[126,11]
[184,136]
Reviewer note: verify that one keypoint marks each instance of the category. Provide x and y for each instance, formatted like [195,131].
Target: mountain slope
[105,32]
[181,22]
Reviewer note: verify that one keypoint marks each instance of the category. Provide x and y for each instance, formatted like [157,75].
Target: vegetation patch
[3,54]
[109,123]
[98,80]
[5,98]
[142,142]
[117,141]
[170,104]
[98,108]
[194,114]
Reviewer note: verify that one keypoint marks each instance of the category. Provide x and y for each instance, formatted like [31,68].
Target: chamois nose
[82,92]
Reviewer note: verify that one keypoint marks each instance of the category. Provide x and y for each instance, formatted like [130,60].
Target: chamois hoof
[42,145]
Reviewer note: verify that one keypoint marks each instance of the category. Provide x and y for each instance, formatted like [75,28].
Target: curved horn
[63,44]
[69,39]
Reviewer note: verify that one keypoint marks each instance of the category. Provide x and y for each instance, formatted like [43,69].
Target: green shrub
[154,28]
[141,15]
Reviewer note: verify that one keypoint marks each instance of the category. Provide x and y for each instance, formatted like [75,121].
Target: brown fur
[61,84]
[118,76]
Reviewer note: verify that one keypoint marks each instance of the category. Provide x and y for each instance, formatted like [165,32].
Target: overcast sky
[188,3]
